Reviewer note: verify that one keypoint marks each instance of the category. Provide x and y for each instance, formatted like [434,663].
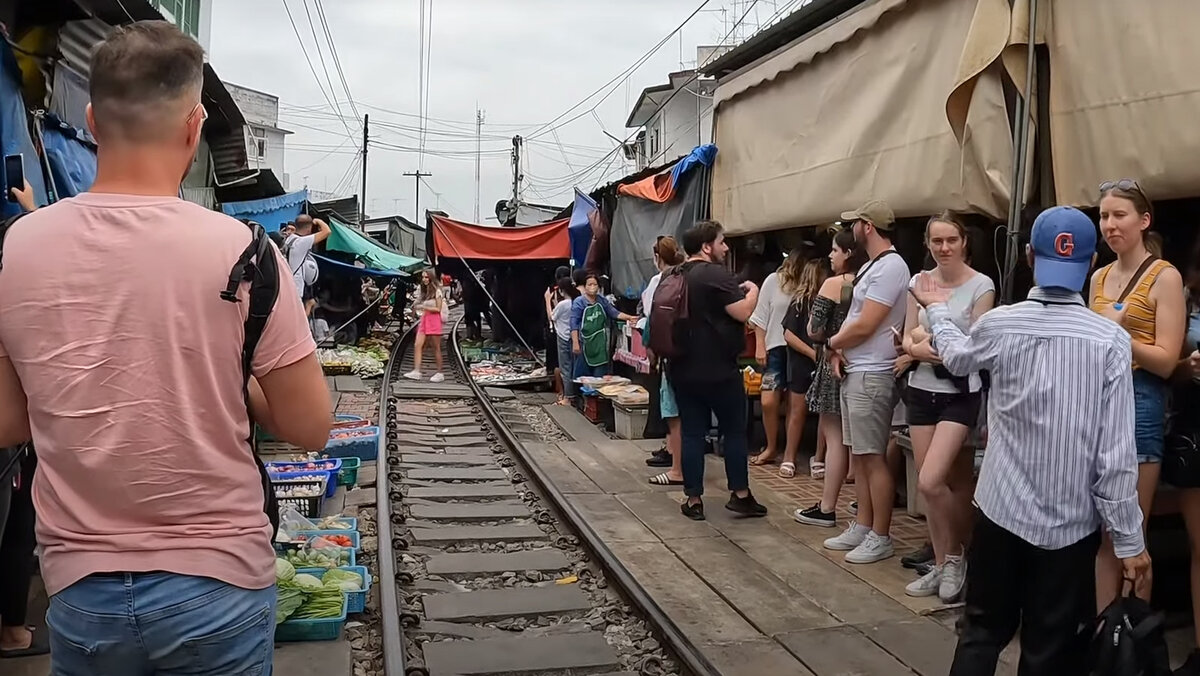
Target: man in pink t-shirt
[121,361]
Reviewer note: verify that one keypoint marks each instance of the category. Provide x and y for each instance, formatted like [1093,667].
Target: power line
[311,68]
[337,61]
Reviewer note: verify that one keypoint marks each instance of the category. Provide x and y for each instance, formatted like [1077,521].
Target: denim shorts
[160,623]
[1150,415]
[775,374]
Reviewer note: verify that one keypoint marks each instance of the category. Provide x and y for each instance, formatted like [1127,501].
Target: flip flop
[35,649]
[787,470]
[755,462]
[664,480]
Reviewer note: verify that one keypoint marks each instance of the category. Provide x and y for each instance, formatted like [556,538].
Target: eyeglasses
[1124,184]
[203,114]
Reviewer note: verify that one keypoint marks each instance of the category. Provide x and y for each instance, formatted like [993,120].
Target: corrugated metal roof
[801,21]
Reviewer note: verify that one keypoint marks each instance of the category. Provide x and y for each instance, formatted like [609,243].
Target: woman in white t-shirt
[943,408]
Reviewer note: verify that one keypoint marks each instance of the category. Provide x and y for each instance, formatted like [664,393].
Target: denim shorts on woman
[1150,415]
[775,373]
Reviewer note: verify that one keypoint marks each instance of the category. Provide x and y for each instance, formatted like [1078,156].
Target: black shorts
[927,408]
[801,370]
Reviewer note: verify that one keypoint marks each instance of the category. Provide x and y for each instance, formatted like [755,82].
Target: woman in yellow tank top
[1145,295]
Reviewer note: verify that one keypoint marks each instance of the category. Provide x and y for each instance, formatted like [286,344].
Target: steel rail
[691,659]
[391,627]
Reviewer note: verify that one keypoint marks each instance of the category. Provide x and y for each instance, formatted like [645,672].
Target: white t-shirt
[302,266]
[561,315]
[885,281]
[772,307]
[648,300]
[962,302]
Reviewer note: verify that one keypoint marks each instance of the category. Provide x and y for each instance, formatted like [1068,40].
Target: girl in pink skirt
[429,305]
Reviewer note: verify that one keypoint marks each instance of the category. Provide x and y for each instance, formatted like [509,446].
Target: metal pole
[417,176]
[478,155]
[362,215]
[1020,163]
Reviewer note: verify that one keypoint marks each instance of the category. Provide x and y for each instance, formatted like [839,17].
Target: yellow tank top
[1139,317]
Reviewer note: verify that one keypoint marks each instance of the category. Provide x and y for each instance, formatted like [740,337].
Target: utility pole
[478,156]
[417,176]
[517,176]
[362,216]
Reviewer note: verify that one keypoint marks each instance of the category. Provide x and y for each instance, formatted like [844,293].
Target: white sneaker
[437,378]
[873,548]
[954,577]
[926,585]
[850,538]
[413,375]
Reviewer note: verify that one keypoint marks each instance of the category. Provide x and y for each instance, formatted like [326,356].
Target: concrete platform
[756,596]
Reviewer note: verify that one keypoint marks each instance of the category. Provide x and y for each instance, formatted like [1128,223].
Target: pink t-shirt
[110,311]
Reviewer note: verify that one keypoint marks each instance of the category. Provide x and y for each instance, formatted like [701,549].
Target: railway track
[495,570]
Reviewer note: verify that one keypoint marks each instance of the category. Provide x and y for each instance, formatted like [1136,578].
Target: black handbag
[1181,454]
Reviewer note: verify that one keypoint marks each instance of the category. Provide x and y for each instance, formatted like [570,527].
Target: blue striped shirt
[1061,458]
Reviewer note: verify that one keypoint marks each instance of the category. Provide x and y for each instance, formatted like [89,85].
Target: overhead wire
[311,67]
[337,61]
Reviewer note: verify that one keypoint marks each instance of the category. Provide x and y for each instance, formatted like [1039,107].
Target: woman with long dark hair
[830,308]
[429,304]
[1144,294]
[801,357]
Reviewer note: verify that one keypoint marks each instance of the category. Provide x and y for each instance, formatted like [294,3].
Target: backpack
[286,250]
[669,314]
[259,266]
[1128,640]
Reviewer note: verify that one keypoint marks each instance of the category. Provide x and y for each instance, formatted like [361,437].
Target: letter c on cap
[1064,244]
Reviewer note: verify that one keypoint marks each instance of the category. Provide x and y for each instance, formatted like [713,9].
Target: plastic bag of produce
[318,552]
[346,580]
[292,522]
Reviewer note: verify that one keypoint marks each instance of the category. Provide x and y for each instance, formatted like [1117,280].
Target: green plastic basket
[348,475]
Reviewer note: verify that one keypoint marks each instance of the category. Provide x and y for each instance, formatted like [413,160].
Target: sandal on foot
[664,480]
[787,470]
[759,460]
[816,469]
[35,648]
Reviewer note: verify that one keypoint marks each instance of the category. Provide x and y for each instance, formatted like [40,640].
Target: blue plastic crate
[365,447]
[356,602]
[293,631]
[331,484]
[335,465]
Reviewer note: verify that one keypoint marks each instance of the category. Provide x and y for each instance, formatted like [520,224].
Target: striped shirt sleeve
[1115,489]
[961,354]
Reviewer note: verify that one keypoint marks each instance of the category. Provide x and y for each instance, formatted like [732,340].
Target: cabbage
[284,570]
[306,582]
[346,580]
[288,600]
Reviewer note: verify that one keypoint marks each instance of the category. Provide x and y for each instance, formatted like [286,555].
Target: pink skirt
[431,324]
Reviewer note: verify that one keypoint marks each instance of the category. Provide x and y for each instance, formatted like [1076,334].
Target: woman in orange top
[1144,294]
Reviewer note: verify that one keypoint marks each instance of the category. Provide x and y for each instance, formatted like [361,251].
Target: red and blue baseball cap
[1063,243]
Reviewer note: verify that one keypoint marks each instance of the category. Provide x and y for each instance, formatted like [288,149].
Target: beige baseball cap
[876,212]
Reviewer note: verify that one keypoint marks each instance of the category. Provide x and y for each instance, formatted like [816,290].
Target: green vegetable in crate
[288,601]
[307,583]
[322,604]
[346,580]
[284,571]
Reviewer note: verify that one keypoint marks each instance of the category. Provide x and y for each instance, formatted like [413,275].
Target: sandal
[664,480]
[816,469]
[787,470]
[35,648]
[759,460]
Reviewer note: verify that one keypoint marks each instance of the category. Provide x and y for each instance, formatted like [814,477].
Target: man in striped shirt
[1060,462]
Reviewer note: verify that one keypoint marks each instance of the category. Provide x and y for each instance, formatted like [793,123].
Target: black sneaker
[924,568]
[747,506]
[1191,667]
[659,458]
[813,516]
[694,512]
[922,555]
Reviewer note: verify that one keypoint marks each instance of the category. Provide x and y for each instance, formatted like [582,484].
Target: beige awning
[858,110]
[1124,91]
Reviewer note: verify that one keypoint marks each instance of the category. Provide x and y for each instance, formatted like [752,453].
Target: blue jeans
[566,367]
[697,404]
[1149,407]
[160,624]
[583,369]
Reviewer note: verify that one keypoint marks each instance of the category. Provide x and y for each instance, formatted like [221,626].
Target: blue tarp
[14,133]
[72,160]
[338,265]
[705,155]
[580,227]
[271,212]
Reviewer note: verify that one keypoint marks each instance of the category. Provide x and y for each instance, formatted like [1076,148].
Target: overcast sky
[522,61]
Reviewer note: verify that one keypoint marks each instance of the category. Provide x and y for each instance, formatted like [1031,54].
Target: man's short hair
[703,232]
[137,73]
[304,222]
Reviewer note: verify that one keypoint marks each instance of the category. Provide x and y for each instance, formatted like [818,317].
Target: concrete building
[265,140]
[673,129]
[193,17]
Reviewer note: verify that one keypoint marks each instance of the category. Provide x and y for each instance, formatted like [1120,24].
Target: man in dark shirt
[706,376]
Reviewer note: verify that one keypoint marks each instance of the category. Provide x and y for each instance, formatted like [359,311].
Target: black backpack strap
[4,228]
[259,266]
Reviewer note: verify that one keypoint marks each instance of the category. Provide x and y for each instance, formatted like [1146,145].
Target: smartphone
[14,175]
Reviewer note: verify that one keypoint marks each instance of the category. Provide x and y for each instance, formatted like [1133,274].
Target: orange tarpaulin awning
[658,188]
[454,239]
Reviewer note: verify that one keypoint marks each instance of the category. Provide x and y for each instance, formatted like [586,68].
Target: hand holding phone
[14,177]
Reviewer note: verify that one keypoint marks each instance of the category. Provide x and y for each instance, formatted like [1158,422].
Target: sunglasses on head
[1124,184]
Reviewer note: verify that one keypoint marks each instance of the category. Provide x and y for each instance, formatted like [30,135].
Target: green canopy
[349,240]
